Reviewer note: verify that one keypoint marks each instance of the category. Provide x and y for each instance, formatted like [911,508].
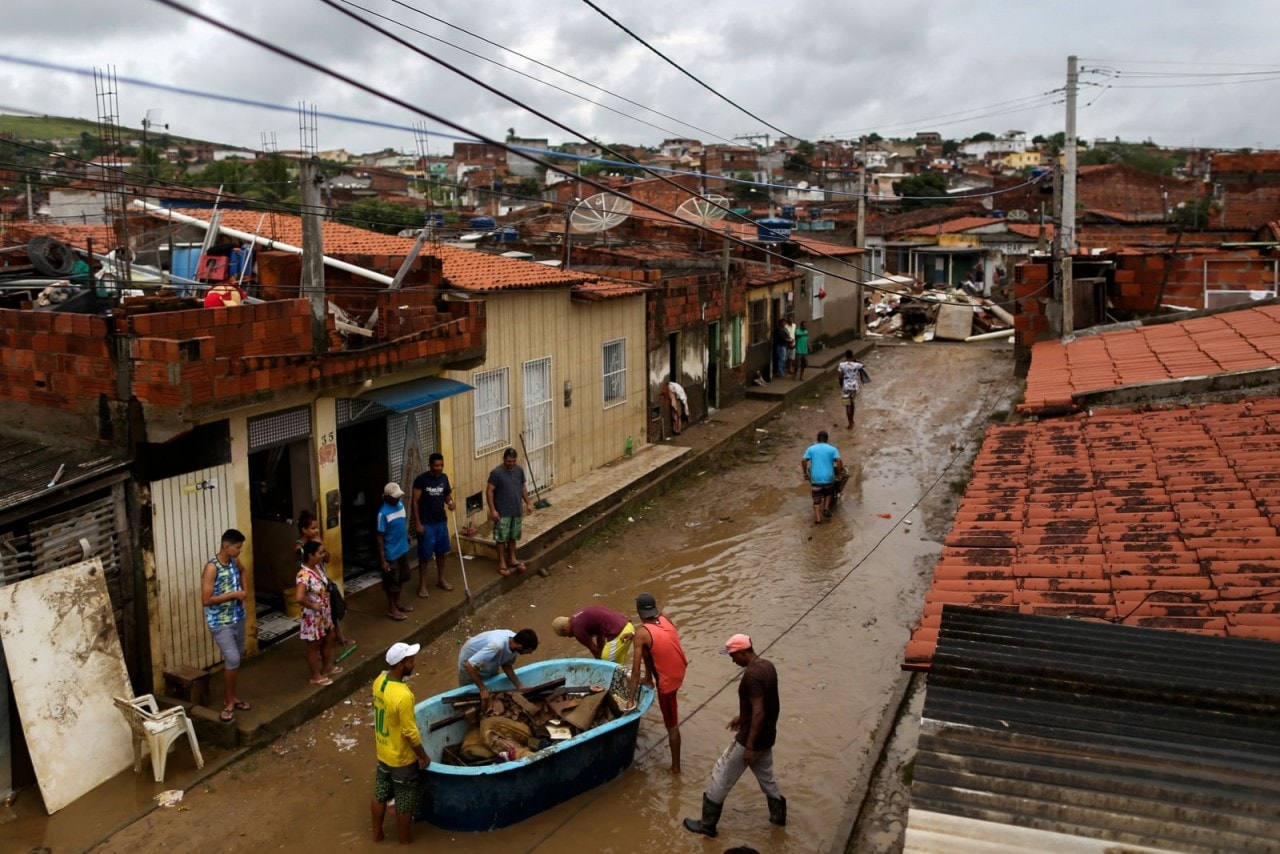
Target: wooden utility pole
[860,240]
[1067,216]
[313,251]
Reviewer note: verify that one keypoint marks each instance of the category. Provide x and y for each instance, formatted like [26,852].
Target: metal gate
[538,435]
[189,514]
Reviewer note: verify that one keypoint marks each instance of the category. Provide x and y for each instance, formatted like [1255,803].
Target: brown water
[735,550]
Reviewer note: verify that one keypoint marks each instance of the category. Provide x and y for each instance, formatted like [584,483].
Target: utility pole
[568,232]
[1067,216]
[726,315]
[860,240]
[309,179]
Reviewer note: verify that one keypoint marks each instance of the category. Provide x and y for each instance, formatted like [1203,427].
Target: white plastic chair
[159,730]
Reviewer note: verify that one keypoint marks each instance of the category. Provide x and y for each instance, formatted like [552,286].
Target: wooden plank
[474,696]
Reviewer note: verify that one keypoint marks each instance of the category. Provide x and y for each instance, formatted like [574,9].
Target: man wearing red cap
[752,747]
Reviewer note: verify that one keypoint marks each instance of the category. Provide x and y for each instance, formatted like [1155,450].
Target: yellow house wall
[527,326]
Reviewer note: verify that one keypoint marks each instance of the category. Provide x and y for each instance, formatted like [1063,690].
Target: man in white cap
[393,549]
[752,746]
[401,756]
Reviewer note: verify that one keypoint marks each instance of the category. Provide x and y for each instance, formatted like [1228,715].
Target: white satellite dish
[703,210]
[600,212]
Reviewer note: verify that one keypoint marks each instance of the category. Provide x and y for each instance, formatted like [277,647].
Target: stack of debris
[517,724]
[925,315]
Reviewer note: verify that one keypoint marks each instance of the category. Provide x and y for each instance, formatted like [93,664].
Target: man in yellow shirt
[401,756]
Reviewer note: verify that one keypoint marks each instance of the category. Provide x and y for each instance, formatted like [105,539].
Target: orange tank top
[667,657]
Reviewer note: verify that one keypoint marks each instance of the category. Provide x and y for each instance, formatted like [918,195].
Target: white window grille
[817,284]
[492,402]
[615,372]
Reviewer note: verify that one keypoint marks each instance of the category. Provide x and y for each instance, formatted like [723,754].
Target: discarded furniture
[159,730]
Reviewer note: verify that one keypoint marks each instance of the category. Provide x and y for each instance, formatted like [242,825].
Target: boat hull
[477,798]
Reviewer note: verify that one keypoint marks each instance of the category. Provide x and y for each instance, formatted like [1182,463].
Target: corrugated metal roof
[27,468]
[1133,735]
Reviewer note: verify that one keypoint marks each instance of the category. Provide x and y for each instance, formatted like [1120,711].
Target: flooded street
[733,549]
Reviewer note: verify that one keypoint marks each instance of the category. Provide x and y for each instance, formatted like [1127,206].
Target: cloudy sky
[1180,72]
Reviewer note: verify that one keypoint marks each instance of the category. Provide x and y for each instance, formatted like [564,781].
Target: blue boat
[485,797]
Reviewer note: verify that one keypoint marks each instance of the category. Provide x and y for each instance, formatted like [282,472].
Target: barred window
[615,372]
[492,402]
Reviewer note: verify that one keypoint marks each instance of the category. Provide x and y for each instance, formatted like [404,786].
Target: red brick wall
[214,358]
[1031,299]
[57,360]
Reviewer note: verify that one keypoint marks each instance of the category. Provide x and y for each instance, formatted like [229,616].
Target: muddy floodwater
[734,549]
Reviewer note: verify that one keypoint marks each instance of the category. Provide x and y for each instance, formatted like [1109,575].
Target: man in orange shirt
[657,647]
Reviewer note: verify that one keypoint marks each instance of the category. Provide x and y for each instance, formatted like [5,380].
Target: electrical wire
[853,568]
[573,94]
[685,72]
[541,64]
[294,209]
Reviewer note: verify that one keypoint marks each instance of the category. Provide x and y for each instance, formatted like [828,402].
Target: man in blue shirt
[483,655]
[822,467]
[393,548]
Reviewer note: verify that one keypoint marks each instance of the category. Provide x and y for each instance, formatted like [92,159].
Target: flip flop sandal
[520,567]
[227,715]
[333,671]
[322,681]
[397,617]
[504,572]
[241,705]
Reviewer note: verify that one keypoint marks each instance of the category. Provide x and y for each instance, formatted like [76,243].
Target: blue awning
[411,395]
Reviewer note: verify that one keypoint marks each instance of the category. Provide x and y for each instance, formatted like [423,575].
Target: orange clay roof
[1165,519]
[463,268]
[1237,340]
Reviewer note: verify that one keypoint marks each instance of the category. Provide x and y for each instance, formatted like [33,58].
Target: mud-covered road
[733,550]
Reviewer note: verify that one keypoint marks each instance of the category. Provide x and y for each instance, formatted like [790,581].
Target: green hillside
[57,127]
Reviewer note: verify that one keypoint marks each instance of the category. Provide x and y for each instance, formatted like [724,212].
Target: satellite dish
[703,210]
[600,212]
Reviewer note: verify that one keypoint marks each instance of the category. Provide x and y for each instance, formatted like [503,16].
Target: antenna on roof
[703,210]
[599,213]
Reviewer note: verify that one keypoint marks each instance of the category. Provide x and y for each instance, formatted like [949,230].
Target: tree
[382,216]
[1195,214]
[748,192]
[982,136]
[926,190]
[1129,154]
[950,147]
[274,182]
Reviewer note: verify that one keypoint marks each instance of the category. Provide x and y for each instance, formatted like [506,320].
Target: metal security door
[189,514]
[538,435]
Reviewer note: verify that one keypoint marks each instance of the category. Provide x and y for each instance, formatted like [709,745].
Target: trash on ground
[169,797]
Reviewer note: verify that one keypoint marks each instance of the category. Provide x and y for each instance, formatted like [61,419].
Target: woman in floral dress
[312,593]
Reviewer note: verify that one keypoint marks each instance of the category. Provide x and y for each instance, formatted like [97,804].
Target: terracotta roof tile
[1165,522]
[1245,339]
[463,268]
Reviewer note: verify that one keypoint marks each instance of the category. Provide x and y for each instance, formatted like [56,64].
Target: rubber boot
[777,811]
[710,818]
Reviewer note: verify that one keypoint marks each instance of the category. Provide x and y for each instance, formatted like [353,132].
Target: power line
[521,73]
[542,64]
[686,73]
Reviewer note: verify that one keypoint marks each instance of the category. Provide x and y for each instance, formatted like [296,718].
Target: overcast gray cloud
[816,68]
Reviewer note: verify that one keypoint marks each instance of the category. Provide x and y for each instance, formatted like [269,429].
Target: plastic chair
[159,730]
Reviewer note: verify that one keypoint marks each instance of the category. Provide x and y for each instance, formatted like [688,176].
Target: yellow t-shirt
[395,729]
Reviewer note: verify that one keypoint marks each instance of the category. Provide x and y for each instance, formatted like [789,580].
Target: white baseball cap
[400,651]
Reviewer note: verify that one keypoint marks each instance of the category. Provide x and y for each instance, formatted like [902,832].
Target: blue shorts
[434,539]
